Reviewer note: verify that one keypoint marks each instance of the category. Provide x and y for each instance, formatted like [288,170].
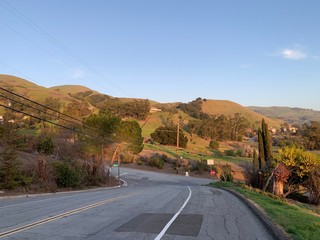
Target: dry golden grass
[229,108]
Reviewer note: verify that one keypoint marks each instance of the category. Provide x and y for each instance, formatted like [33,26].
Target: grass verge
[298,222]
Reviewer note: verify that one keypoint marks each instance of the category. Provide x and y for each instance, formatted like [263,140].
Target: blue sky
[261,53]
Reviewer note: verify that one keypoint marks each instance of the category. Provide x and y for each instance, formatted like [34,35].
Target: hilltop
[295,116]
[77,93]
[228,108]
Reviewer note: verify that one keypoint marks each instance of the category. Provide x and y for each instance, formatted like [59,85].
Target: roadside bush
[225,172]
[69,174]
[156,161]
[127,157]
[200,166]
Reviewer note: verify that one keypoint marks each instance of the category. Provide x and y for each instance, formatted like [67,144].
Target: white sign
[210,162]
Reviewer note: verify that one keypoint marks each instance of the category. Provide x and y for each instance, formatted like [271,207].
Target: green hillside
[228,108]
[68,93]
[71,89]
[31,90]
[296,116]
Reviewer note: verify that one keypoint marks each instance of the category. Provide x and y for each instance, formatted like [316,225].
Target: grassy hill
[296,116]
[71,89]
[228,108]
[30,90]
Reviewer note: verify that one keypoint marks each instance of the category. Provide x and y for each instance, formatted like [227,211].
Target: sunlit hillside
[229,108]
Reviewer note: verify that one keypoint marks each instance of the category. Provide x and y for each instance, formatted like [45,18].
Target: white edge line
[160,235]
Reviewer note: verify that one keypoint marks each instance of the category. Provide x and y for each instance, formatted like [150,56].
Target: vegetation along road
[151,206]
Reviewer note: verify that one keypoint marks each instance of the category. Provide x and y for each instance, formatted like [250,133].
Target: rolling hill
[67,94]
[297,116]
[228,108]
[30,90]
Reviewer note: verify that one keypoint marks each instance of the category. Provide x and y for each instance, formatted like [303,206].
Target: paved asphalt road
[152,206]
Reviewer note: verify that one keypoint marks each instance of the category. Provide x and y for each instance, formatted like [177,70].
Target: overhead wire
[88,129]
[39,110]
[39,104]
[42,119]
[55,42]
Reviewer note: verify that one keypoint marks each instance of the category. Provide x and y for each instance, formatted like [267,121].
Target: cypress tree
[255,162]
[254,180]
[268,156]
[261,157]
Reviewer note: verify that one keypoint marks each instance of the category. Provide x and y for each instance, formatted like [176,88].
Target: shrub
[127,157]
[200,166]
[69,174]
[229,153]
[313,185]
[214,145]
[225,172]
[239,153]
[156,161]
[10,175]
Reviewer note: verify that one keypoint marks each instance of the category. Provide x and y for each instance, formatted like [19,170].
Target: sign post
[210,162]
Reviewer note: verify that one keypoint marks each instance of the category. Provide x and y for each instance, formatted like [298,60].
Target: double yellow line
[65,214]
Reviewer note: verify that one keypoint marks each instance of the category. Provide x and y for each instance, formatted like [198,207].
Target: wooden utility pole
[114,154]
[178,130]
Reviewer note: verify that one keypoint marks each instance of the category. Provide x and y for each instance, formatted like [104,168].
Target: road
[152,206]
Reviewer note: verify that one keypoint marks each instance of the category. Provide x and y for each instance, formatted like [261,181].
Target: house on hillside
[293,129]
[154,110]
[273,130]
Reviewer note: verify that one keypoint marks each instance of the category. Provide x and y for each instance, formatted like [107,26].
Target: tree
[238,125]
[129,132]
[255,173]
[300,164]
[261,157]
[9,169]
[311,135]
[10,175]
[45,147]
[168,136]
[281,175]
[102,129]
[267,144]
[214,145]
[137,108]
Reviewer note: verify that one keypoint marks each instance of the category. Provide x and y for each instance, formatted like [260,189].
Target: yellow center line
[65,214]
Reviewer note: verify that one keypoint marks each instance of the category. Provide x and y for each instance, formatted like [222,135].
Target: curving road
[152,206]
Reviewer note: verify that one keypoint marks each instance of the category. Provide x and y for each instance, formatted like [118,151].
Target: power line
[39,104]
[43,111]
[42,119]
[55,42]
[39,110]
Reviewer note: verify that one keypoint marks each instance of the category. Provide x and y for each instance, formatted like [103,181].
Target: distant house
[273,130]
[154,110]
[293,129]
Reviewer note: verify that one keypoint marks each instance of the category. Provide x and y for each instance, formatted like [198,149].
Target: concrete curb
[275,231]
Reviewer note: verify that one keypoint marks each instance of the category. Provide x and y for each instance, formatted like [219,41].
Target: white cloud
[77,73]
[294,53]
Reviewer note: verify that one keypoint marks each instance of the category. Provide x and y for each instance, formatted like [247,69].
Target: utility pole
[178,130]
